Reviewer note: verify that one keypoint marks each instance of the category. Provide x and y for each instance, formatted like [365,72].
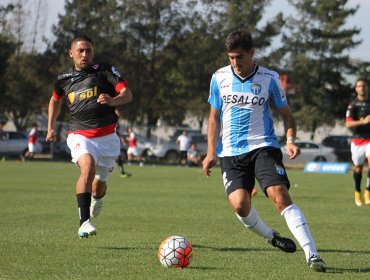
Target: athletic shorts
[264,164]
[359,153]
[104,150]
[31,147]
[132,151]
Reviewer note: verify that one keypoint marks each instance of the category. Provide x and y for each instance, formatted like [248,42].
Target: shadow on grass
[340,270]
[235,249]
[119,248]
[344,251]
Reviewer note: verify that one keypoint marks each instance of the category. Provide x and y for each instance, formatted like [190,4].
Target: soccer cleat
[317,264]
[96,207]
[86,230]
[358,199]
[367,197]
[285,244]
[125,175]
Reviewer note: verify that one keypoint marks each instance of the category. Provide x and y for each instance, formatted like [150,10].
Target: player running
[92,92]
[358,119]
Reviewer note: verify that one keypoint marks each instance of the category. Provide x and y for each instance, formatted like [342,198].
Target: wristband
[290,140]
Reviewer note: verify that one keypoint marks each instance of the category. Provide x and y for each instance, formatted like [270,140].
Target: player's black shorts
[264,164]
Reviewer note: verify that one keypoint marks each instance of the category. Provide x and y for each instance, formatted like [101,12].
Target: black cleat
[285,244]
[317,264]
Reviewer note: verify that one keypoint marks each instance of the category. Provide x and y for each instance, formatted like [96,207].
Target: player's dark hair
[239,39]
[79,38]
[360,80]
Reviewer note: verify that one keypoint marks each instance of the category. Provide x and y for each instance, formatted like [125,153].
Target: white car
[170,152]
[311,151]
[15,144]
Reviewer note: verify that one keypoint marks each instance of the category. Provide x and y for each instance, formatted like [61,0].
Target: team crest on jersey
[71,97]
[279,170]
[256,88]
[95,66]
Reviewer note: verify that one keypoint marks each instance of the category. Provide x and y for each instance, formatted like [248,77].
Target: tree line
[168,49]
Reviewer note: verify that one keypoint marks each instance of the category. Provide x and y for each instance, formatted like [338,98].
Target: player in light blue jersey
[240,98]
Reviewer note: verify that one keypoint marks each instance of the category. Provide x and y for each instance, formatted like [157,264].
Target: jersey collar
[255,69]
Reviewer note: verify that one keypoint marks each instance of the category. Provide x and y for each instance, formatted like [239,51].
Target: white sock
[297,224]
[255,224]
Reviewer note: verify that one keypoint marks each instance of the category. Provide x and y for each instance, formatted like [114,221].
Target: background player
[358,119]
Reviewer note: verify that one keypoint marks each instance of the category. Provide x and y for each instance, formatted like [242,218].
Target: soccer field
[39,223]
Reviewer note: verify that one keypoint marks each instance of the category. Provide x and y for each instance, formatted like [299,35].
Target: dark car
[341,145]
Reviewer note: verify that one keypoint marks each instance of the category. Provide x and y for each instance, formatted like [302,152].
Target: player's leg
[358,157]
[108,150]
[294,217]
[83,192]
[238,177]
[367,190]
[272,177]
[99,189]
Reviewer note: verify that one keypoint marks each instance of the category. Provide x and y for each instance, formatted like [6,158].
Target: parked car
[341,145]
[15,144]
[170,152]
[311,151]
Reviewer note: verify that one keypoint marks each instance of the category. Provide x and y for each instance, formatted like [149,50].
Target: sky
[55,7]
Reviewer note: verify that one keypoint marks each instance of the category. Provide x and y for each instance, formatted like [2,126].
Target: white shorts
[31,147]
[360,153]
[104,149]
[132,151]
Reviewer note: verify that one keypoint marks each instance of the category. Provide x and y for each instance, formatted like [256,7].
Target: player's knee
[102,173]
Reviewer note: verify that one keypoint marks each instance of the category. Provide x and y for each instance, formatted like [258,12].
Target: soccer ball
[175,251]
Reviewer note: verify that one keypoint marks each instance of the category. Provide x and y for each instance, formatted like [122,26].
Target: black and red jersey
[358,110]
[82,88]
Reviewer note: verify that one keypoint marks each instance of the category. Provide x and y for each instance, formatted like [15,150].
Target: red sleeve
[56,96]
[121,85]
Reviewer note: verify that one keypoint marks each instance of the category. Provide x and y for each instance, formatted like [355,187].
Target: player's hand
[366,120]
[105,99]
[292,151]
[51,137]
[208,163]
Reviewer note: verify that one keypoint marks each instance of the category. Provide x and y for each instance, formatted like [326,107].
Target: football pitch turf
[39,223]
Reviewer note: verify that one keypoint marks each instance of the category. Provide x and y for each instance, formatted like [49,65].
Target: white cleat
[86,230]
[96,207]
[317,264]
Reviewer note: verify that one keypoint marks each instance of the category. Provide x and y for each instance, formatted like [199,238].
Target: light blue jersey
[246,118]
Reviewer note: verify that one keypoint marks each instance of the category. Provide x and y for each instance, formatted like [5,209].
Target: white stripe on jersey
[246,119]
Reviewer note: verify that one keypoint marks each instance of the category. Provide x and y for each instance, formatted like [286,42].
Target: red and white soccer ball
[175,251]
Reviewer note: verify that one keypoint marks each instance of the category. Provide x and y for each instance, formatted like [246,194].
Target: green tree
[315,56]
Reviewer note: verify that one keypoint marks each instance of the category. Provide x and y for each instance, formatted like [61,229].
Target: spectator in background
[2,124]
[183,141]
[32,138]
[194,157]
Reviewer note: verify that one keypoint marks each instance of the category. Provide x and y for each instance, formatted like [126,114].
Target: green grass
[39,223]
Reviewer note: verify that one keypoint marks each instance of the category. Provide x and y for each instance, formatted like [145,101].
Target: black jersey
[358,110]
[82,89]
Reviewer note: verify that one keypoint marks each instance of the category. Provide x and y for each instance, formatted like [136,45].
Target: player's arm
[351,123]
[124,96]
[212,140]
[290,131]
[53,113]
